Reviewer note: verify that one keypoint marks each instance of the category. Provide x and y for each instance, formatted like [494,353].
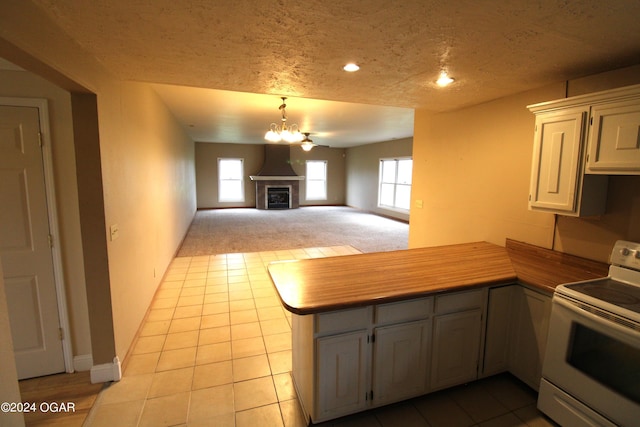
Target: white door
[25,248]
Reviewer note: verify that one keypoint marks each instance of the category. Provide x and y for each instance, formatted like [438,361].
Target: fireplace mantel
[276,178]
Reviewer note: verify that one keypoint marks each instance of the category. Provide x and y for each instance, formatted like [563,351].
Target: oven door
[595,359]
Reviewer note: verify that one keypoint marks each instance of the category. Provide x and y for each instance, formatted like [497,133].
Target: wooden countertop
[545,269]
[326,284]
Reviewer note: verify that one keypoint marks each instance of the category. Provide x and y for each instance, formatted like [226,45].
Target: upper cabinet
[557,181]
[614,146]
[578,141]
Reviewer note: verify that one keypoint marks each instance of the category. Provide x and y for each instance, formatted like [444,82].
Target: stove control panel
[626,254]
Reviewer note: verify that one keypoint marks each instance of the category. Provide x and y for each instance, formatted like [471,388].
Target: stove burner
[611,291]
[610,295]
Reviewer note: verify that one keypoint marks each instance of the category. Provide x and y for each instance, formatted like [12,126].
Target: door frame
[52,213]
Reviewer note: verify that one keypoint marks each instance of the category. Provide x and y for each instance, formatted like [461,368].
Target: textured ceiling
[298,48]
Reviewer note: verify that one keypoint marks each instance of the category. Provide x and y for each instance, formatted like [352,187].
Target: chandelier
[284,132]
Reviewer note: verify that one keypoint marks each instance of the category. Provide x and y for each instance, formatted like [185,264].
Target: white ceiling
[239,117]
[297,49]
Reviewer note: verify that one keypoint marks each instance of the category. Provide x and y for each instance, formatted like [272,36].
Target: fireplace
[277,185]
[278,197]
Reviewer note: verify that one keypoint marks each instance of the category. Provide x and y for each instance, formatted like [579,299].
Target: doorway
[28,241]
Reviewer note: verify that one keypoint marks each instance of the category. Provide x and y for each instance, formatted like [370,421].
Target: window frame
[395,183]
[222,180]
[324,180]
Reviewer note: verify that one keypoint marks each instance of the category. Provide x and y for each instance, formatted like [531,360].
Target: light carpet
[223,231]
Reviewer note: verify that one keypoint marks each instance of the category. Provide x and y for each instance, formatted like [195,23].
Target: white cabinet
[330,362]
[457,333]
[615,138]
[351,360]
[529,335]
[342,384]
[578,141]
[497,337]
[558,183]
[400,361]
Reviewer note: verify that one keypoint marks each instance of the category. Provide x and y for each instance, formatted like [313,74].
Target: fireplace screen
[279,197]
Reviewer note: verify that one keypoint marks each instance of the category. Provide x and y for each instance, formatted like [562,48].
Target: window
[316,178]
[230,180]
[395,183]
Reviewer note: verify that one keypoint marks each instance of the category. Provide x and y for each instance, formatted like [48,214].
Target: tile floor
[215,350]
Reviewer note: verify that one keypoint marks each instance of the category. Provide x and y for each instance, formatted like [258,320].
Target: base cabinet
[528,339]
[457,329]
[456,348]
[342,386]
[400,361]
[351,360]
[500,312]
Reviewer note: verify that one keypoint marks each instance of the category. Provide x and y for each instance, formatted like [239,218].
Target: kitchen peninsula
[372,329]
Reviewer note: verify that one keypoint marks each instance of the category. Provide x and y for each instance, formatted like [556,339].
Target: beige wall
[207,172]
[207,155]
[363,163]
[148,176]
[335,158]
[149,193]
[472,170]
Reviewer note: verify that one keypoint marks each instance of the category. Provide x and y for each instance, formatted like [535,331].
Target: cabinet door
[615,139]
[456,347]
[529,336]
[400,361]
[496,345]
[342,380]
[557,155]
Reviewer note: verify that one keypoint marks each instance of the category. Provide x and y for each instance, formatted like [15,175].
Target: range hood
[277,164]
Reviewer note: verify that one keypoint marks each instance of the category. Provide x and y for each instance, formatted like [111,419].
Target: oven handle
[612,321]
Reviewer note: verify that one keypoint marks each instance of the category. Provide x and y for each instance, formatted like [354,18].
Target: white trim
[106,372]
[83,362]
[324,180]
[58,276]
[276,178]
[395,184]
[240,197]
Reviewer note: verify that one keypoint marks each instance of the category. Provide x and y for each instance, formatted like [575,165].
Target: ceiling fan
[307,143]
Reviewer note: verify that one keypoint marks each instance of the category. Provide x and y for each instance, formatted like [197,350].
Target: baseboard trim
[106,372]
[82,363]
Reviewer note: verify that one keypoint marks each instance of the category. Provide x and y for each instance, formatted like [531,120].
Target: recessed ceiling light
[444,79]
[351,67]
